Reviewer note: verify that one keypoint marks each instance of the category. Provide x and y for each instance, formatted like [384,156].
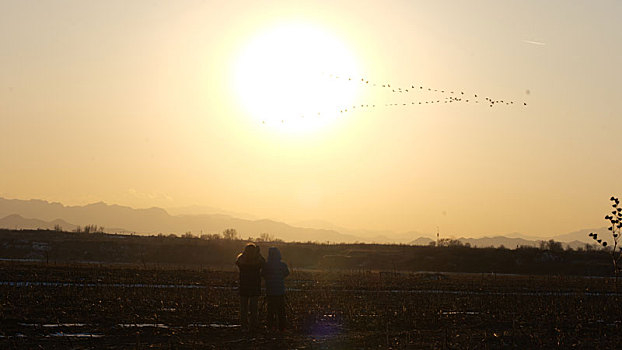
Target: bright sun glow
[286,78]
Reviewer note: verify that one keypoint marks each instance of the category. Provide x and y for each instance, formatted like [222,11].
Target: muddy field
[82,307]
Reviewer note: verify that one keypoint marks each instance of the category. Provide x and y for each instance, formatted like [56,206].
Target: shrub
[615,221]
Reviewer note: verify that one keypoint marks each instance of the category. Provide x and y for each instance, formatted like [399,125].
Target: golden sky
[176,103]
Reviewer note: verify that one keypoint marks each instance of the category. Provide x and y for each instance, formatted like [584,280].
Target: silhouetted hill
[520,235]
[370,236]
[16,221]
[253,228]
[157,220]
[145,220]
[421,241]
[582,235]
[498,241]
[502,241]
[206,210]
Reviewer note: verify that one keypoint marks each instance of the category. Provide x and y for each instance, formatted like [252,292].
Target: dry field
[82,307]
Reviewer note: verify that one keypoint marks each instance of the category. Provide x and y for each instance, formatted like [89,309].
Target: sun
[295,78]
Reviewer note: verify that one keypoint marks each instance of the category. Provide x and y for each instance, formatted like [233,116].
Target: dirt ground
[107,307]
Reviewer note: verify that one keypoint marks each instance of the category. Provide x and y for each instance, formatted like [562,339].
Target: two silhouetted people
[252,267]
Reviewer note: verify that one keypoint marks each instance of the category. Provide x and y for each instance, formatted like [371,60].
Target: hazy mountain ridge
[582,235]
[207,210]
[507,242]
[100,214]
[157,220]
[373,236]
[16,221]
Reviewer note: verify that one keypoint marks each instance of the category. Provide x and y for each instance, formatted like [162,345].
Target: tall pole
[437,236]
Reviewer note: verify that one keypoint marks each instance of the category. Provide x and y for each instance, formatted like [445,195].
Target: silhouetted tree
[551,245]
[554,246]
[266,237]
[92,229]
[448,242]
[230,234]
[208,237]
[615,221]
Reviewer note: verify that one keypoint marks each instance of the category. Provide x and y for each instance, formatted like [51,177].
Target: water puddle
[143,325]
[459,313]
[130,325]
[214,325]
[473,292]
[164,326]
[104,285]
[53,325]
[21,260]
[75,335]
[61,334]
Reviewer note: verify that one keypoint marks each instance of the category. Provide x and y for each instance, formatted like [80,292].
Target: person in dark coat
[250,263]
[274,273]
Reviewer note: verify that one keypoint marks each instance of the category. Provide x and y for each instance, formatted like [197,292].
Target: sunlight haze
[240,105]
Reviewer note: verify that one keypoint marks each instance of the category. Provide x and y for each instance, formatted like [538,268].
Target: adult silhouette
[250,263]
[274,272]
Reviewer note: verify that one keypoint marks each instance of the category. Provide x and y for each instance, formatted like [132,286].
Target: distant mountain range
[152,221]
[15,221]
[374,236]
[498,241]
[203,210]
[33,214]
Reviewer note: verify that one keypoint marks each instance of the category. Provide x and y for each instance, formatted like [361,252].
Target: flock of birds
[439,96]
[450,96]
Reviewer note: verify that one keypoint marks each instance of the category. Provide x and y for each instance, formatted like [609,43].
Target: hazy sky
[175,103]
